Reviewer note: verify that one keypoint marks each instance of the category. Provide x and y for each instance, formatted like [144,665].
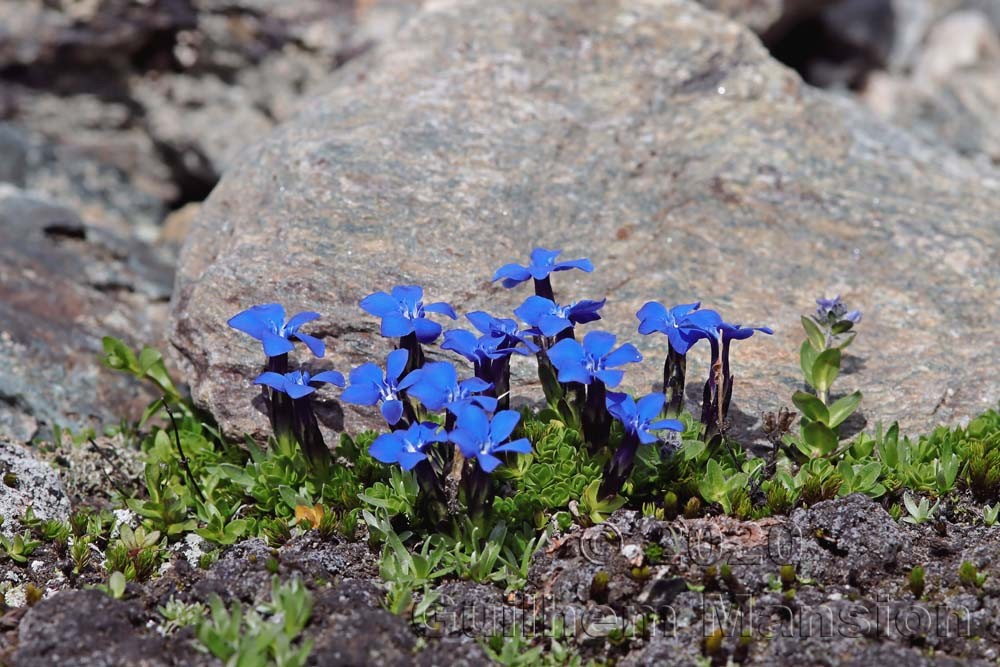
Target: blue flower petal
[668,425]
[367,373]
[258,319]
[582,264]
[365,393]
[475,385]
[610,377]
[275,345]
[467,441]
[412,378]
[379,304]
[427,330]
[599,343]
[386,448]
[392,411]
[534,309]
[550,325]
[652,311]
[395,325]
[626,354]
[298,390]
[514,274]
[521,446]
[487,403]
[272,380]
[331,377]
[441,308]
[504,423]
[566,353]
[315,345]
[408,295]
[487,462]
[482,320]
[646,438]
[395,364]
[299,319]
[649,406]
[461,341]
[409,460]
[475,421]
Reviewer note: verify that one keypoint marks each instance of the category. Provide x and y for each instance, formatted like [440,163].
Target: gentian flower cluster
[287,393]
[477,432]
[685,325]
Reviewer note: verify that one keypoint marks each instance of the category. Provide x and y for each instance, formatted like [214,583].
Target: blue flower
[267,324]
[438,388]
[592,360]
[407,447]
[369,386]
[740,332]
[405,313]
[299,383]
[684,325]
[543,262]
[834,309]
[637,417]
[477,435]
[502,328]
[548,318]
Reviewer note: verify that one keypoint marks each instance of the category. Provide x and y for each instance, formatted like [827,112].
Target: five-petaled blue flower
[438,388]
[548,318]
[637,417]
[404,312]
[369,386]
[299,383]
[477,435]
[592,360]
[684,325]
[406,447]
[267,324]
[543,262]
[503,328]
[479,350]
[834,309]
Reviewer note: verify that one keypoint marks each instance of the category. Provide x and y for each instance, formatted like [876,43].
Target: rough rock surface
[170,91]
[656,138]
[27,482]
[63,285]
[768,18]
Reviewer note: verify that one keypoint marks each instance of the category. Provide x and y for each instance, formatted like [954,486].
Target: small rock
[27,482]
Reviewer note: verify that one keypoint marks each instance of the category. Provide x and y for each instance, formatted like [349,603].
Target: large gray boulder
[653,136]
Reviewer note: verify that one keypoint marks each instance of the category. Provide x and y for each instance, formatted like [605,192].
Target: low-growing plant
[919,512]
[265,635]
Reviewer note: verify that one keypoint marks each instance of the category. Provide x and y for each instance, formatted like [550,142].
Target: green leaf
[151,410]
[118,355]
[811,407]
[842,408]
[807,357]
[843,326]
[550,381]
[820,438]
[816,337]
[825,369]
